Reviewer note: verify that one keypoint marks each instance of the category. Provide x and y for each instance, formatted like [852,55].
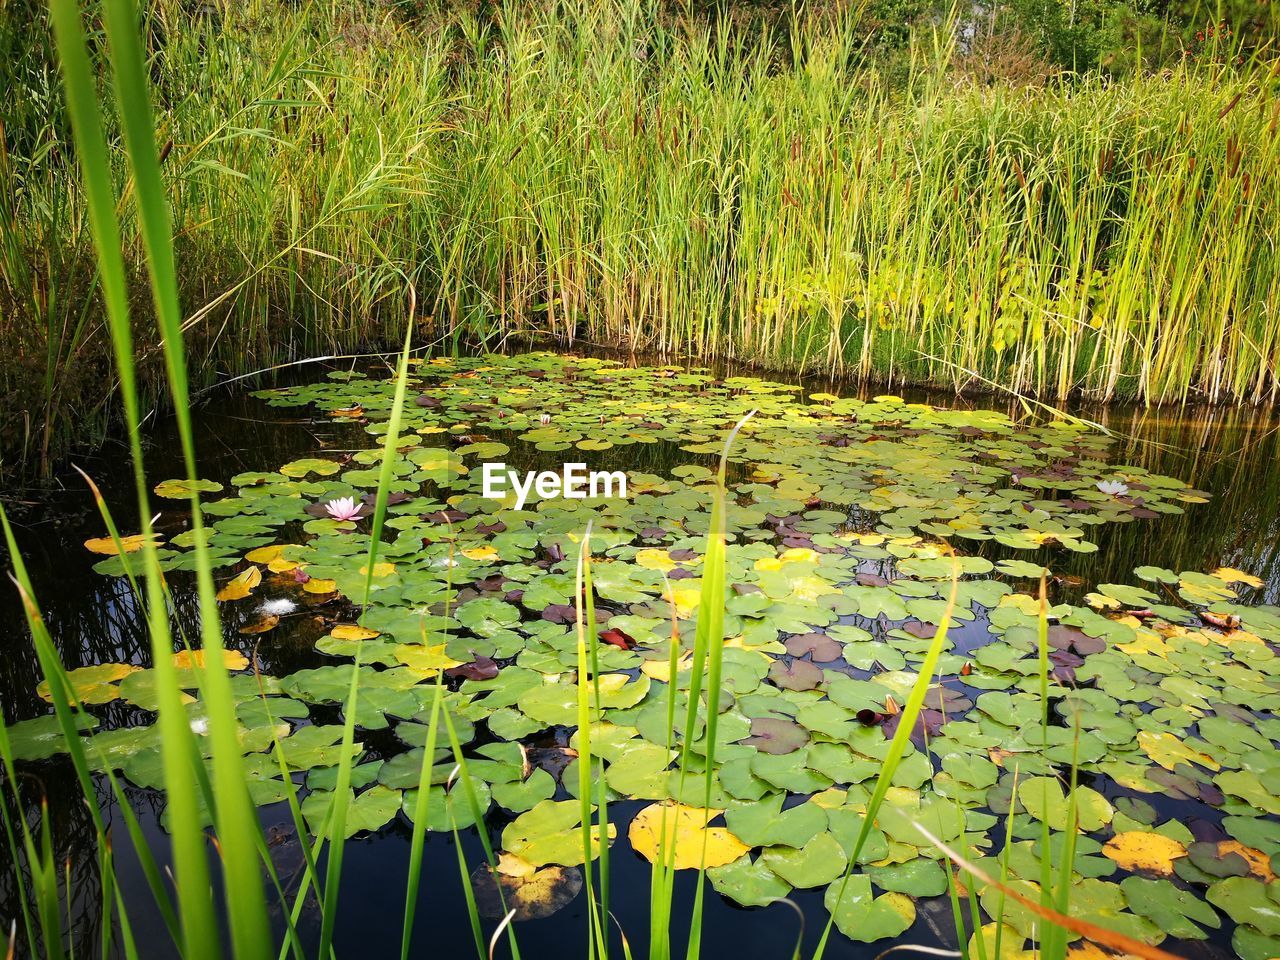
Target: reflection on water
[1232,453]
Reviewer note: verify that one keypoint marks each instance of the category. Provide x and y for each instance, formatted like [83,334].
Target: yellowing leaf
[1101,602]
[181,489]
[265,554]
[1146,641]
[242,585]
[1232,575]
[352,631]
[483,554]
[831,798]
[1022,602]
[92,684]
[316,585]
[527,895]
[790,555]
[379,569]
[1088,950]
[1145,850]
[609,683]
[685,599]
[1259,863]
[812,587]
[651,558]
[425,659]
[130,544]
[231,659]
[1168,751]
[660,670]
[261,624]
[510,865]
[1011,943]
[680,836]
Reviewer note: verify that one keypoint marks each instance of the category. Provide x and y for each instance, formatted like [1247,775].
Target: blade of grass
[898,745]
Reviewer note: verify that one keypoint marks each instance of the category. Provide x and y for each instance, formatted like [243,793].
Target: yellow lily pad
[130,544]
[1144,850]
[242,585]
[680,835]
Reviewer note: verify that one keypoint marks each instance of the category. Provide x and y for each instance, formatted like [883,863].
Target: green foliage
[623,174]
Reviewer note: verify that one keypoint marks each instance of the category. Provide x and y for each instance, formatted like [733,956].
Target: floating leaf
[1143,850]
[1176,912]
[1249,901]
[129,544]
[861,916]
[181,489]
[681,837]
[352,631]
[527,892]
[95,684]
[242,585]
[776,735]
[552,833]
[748,882]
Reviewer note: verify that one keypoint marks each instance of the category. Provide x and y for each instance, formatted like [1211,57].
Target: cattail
[1017,169]
[1230,106]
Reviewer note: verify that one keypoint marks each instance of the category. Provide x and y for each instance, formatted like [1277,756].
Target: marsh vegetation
[620,173]
[878,668]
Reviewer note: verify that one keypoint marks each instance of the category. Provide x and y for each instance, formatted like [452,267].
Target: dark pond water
[1234,454]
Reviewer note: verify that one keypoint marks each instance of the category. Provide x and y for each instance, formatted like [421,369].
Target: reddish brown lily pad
[776,735]
[796,675]
[818,645]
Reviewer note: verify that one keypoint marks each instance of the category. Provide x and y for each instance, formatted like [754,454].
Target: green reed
[604,172]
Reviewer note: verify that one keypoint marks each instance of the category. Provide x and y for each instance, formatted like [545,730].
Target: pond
[1159,540]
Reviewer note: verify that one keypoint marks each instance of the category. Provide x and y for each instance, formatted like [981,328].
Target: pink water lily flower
[344,508]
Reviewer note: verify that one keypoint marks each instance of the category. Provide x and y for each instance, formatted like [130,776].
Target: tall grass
[603,171]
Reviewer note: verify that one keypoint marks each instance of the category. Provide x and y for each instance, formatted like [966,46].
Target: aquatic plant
[797,641]
[344,508]
[876,674]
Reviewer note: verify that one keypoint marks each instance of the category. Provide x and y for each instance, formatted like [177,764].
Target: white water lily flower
[344,508]
[544,419]
[200,726]
[277,608]
[1114,488]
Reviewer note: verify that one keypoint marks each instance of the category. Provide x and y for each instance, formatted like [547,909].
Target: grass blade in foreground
[199,932]
[897,747]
